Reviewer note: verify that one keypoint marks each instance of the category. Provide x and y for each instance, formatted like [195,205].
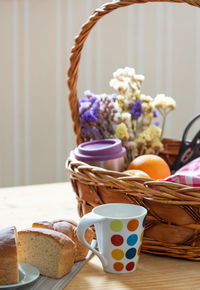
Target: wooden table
[20,206]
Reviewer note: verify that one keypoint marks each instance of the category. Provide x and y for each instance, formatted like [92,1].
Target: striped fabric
[188,174]
[45,283]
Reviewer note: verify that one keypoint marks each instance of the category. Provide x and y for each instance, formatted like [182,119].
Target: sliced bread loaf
[53,253]
[68,227]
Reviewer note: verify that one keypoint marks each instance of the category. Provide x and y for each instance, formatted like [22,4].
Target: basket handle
[78,46]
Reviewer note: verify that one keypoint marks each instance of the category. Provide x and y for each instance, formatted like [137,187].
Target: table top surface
[20,206]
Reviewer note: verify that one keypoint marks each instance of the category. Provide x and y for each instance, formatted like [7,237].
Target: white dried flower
[129,71]
[126,116]
[164,102]
[126,81]
[139,78]
[117,117]
[146,99]
[134,86]
[164,105]
[119,85]
[118,73]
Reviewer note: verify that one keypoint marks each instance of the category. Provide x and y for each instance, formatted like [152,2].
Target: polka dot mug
[119,230]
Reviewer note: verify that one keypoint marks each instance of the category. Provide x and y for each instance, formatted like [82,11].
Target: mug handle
[85,222]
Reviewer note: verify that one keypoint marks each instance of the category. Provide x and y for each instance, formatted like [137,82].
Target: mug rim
[144,210]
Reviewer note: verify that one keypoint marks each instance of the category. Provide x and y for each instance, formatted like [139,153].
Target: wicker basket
[173,222]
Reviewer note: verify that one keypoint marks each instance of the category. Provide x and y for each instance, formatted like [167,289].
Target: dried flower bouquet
[128,115]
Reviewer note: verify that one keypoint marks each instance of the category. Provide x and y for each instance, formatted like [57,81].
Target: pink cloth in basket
[189,174]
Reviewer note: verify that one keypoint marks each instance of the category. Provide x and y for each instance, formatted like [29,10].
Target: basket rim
[147,188]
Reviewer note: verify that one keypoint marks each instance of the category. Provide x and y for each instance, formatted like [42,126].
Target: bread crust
[68,227]
[9,273]
[60,238]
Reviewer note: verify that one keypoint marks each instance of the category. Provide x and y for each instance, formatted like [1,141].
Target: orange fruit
[155,166]
[136,173]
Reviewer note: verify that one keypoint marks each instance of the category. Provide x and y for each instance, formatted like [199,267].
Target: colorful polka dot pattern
[117,254]
[116,226]
[118,240]
[130,266]
[132,240]
[118,266]
[130,254]
[133,225]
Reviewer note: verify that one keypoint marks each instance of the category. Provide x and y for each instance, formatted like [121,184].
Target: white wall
[160,40]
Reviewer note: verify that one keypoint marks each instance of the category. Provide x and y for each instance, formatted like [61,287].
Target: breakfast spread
[117,132]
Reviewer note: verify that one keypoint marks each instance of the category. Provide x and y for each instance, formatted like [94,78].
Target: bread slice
[68,227]
[51,252]
[9,273]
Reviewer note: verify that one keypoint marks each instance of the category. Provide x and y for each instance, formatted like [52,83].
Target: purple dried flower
[136,110]
[92,97]
[113,97]
[155,114]
[156,123]
[88,117]
[83,106]
[105,123]
[95,108]
[83,101]
[97,133]
[91,132]
[88,93]
[86,131]
[96,115]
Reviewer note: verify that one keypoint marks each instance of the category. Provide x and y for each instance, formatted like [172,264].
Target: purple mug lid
[100,150]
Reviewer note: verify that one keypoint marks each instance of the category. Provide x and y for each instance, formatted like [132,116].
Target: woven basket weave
[173,221]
